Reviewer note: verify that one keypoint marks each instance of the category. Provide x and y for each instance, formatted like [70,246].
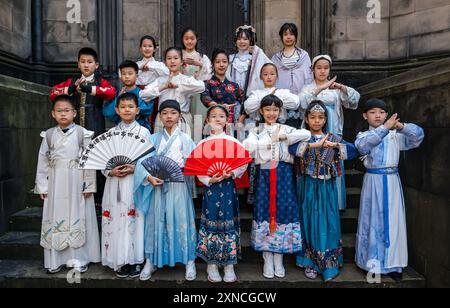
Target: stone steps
[30,274]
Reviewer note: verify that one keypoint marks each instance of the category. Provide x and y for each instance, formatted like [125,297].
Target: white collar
[130,127]
[90,78]
[173,133]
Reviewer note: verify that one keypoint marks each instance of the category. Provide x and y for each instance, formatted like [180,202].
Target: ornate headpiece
[318,108]
[246,27]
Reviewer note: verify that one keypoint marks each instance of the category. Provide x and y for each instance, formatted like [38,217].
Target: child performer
[176,87]
[89,92]
[69,224]
[276,226]
[219,241]
[196,65]
[269,76]
[335,96]
[170,234]
[381,238]
[129,75]
[122,225]
[294,67]
[149,68]
[319,208]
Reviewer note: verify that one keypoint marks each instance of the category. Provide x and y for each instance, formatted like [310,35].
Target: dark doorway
[214,20]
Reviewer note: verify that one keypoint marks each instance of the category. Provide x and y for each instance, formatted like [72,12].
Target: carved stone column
[315,27]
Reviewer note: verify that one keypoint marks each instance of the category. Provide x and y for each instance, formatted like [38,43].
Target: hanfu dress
[170,232]
[156,70]
[69,225]
[319,208]
[381,245]
[202,74]
[276,231]
[219,239]
[186,87]
[334,101]
[122,224]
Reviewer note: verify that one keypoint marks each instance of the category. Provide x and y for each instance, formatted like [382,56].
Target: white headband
[321,57]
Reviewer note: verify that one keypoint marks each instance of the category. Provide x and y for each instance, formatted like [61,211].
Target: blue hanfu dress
[219,239]
[287,238]
[170,233]
[335,102]
[381,245]
[319,208]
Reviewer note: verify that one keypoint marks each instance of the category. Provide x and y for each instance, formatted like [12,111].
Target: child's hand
[128,169]
[400,126]
[193,62]
[242,119]
[276,137]
[155,181]
[216,179]
[118,172]
[330,145]
[87,195]
[392,122]
[319,144]
[43,196]
[227,176]
[144,67]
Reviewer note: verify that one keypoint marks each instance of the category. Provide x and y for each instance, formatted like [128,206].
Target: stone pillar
[36,25]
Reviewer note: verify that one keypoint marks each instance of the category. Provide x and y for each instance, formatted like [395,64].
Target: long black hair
[184,33]
[313,105]
[267,101]
[150,38]
[178,50]
[248,33]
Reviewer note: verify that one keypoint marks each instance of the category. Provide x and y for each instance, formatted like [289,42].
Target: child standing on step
[320,161]
[381,246]
[149,68]
[176,87]
[170,233]
[276,226]
[122,224]
[219,240]
[69,224]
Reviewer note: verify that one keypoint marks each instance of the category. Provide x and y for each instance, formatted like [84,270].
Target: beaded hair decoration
[246,27]
[317,108]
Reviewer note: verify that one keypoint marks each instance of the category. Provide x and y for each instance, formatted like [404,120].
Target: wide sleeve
[205,97]
[145,108]
[253,103]
[105,91]
[239,172]
[297,135]
[60,89]
[306,96]
[206,71]
[367,141]
[290,101]
[191,86]
[350,100]
[43,167]
[299,149]
[161,69]
[253,144]
[410,137]
[109,111]
[347,151]
[151,91]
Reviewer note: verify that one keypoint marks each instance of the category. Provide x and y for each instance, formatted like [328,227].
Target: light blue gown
[381,246]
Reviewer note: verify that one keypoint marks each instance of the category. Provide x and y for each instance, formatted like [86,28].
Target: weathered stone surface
[15,27]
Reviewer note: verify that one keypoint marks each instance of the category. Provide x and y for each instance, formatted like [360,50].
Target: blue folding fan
[164,168]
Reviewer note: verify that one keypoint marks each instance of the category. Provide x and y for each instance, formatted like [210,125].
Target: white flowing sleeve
[351,99]
[206,72]
[306,96]
[205,180]
[239,172]
[191,86]
[43,167]
[161,69]
[152,90]
[297,135]
[252,144]
[290,101]
[253,103]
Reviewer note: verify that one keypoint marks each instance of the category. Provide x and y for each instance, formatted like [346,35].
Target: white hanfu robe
[69,225]
[170,232]
[122,224]
[186,87]
[253,103]
[381,245]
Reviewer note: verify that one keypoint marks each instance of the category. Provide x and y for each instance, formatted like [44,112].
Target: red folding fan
[216,156]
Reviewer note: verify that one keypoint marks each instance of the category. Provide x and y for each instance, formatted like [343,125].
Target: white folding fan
[114,149]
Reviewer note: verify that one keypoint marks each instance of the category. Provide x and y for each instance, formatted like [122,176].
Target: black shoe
[124,272]
[396,276]
[135,271]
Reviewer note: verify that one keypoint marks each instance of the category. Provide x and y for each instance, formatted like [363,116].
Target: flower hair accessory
[317,108]
[246,27]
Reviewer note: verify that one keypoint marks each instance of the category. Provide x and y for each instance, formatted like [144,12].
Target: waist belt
[383,171]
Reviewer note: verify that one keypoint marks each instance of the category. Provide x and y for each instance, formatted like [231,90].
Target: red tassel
[273,197]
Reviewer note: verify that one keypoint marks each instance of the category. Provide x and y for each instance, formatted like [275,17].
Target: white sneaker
[280,272]
[191,271]
[230,275]
[213,273]
[147,272]
[269,270]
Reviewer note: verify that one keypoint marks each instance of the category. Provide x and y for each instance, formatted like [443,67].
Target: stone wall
[408,28]
[62,39]
[422,96]
[15,27]
[24,113]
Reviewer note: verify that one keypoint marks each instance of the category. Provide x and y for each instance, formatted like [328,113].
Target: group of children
[293,113]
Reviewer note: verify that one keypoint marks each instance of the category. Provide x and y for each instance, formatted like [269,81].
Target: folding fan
[114,149]
[164,169]
[216,156]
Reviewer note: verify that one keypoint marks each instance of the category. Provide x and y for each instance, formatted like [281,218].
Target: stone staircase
[21,258]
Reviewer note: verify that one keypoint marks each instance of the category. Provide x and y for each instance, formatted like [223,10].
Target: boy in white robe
[69,234]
